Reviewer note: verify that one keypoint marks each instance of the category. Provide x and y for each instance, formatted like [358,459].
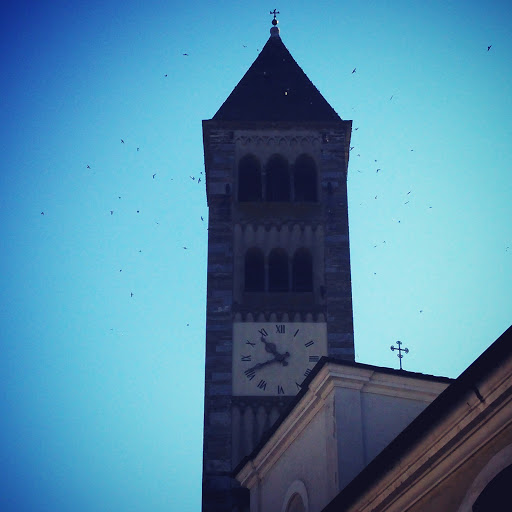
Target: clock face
[274,358]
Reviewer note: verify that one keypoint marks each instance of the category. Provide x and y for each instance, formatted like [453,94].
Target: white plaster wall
[384,417]
[349,429]
[365,424]
[310,459]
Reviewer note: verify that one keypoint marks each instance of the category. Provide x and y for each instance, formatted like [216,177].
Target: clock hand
[271,348]
[280,358]
[260,365]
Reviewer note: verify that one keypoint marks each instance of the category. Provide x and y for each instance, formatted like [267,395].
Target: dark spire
[275,89]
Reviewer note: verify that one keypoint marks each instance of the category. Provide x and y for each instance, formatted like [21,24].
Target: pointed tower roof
[275,89]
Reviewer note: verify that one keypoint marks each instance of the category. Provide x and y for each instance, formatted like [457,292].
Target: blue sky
[101,391]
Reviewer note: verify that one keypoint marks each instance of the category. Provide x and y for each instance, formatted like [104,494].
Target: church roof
[275,89]
[305,387]
[468,383]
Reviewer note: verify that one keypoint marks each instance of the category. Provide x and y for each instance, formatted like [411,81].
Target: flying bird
[185,55]
[131,294]
[42,213]
[354,70]
[88,166]
[122,141]
[165,76]
[184,247]
[111,212]
[199,180]
[489,47]
[154,175]
[203,220]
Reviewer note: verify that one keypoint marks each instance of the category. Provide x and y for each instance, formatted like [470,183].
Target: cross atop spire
[274,31]
[400,350]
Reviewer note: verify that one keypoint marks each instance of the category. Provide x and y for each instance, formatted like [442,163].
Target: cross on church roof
[275,13]
[400,350]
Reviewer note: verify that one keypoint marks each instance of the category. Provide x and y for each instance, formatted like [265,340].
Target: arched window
[249,179]
[278,271]
[296,504]
[277,179]
[296,498]
[302,271]
[305,186]
[496,495]
[254,271]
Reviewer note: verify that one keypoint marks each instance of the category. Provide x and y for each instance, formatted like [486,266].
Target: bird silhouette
[131,294]
[88,166]
[154,175]
[489,47]
[122,141]
[185,55]
[354,70]
[42,213]
[111,212]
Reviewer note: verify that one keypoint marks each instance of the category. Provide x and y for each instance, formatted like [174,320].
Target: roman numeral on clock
[248,358]
[309,343]
[280,390]
[262,384]
[314,359]
[263,332]
[280,328]
[250,373]
[307,372]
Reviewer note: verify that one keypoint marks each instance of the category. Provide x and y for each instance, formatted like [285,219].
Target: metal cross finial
[275,12]
[400,350]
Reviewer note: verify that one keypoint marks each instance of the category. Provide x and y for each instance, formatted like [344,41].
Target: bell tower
[279,290]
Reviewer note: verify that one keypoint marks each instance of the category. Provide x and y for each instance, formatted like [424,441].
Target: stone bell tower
[279,289]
